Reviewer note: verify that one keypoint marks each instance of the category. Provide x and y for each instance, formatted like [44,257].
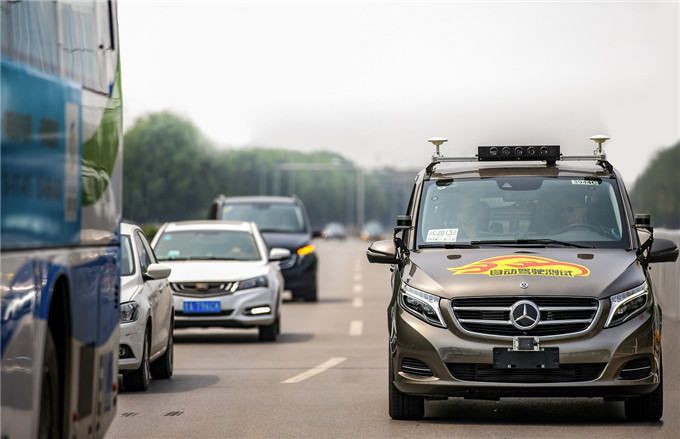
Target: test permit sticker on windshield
[586,182]
[442,235]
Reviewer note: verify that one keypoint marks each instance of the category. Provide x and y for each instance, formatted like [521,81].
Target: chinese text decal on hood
[522,266]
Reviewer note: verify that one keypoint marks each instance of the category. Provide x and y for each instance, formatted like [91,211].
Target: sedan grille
[202,289]
[558,315]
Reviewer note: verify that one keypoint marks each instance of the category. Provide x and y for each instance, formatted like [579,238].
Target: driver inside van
[573,211]
[472,216]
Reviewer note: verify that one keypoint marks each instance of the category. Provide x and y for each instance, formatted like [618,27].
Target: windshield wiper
[448,245]
[541,241]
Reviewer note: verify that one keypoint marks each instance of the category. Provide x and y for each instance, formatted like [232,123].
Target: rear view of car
[223,274]
[284,223]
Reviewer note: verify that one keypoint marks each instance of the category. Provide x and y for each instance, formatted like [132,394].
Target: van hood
[523,272]
[214,271]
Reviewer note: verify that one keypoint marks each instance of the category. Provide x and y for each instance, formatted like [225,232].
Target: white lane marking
[358,288]
[358,302]
[315,370]
[357,277]
[356,327]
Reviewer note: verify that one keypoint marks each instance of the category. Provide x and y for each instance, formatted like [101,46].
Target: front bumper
[441,363]
[235,309]
[132,338]
[299,274]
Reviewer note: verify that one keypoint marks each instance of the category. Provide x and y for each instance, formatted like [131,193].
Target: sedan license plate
[545,358]
[205,307]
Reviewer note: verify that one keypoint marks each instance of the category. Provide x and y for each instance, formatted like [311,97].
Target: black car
[283,222]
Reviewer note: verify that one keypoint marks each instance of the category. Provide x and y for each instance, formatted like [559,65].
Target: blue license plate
[202,307]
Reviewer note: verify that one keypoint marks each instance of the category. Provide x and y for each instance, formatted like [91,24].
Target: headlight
[628,304]
[251,283]
[129,311]
[303,251]
[423,305]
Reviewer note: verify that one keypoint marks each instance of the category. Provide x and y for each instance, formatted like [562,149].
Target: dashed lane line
[315,370]
[356,328]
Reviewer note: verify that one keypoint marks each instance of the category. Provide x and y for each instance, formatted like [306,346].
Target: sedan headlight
[129,311]
[306,250]
[251,283]
[423,305]
[628,304]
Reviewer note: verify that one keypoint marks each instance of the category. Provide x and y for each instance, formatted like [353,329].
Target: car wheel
[269,332]
[162,367]
[646,408]
[49,396]
[403,406]
[308,295]
[140,378]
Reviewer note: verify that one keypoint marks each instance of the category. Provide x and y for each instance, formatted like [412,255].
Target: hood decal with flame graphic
[513,265]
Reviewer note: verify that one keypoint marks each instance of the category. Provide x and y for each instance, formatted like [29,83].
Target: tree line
[172,173]
[657,190]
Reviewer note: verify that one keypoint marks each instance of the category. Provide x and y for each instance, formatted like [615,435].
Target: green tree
[657,190]
[172,173]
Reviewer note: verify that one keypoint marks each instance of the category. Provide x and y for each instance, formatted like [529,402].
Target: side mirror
[157,271]
[663,250]
[382,252]
[279,254]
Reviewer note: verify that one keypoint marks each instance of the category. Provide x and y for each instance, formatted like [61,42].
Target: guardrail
[666,278]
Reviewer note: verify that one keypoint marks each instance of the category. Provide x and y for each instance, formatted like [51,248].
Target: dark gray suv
[523,272]
[283,222]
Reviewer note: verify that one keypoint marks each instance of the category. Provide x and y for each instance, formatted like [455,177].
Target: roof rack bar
[583,157]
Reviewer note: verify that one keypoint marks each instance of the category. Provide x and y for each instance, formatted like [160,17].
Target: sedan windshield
[269,217]
[525,211]
[127,261]
[207,245]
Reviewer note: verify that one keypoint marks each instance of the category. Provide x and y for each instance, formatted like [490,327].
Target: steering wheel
[576,226]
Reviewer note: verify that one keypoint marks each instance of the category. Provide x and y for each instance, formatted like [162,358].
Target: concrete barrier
[666,278]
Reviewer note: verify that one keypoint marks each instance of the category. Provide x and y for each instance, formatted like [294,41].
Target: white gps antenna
[437,141]
[599,139]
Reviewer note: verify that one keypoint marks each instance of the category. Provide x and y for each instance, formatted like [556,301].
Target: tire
[49,394]
[270,332]
[646,408]
[308,295]
[140,379]
[161,369]
[403,406]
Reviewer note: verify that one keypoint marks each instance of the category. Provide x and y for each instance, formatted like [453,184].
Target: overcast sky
[374,80]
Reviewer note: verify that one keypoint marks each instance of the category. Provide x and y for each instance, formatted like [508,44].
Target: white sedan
[223,274]
[146,313]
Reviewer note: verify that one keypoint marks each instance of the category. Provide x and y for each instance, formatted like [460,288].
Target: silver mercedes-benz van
[522,272]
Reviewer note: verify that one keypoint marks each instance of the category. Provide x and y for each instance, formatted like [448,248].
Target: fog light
[260,310]
[124,351]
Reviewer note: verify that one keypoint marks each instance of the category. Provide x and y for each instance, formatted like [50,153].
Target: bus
[62,148]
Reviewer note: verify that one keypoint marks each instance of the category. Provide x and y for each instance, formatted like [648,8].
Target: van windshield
[269,217]
[566,211]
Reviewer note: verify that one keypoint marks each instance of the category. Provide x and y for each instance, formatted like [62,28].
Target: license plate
[544,358]
[211,307]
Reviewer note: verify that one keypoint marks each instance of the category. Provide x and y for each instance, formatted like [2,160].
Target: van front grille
[558,315]
[565,373]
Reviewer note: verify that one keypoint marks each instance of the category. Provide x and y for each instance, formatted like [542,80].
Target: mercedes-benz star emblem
[524,315]
[523,285]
